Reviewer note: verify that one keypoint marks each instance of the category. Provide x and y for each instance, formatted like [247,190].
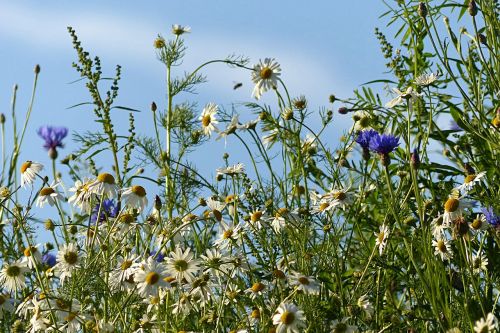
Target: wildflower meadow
[390,226]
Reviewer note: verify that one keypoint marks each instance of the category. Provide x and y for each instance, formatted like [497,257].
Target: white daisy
[32,256]
[409,94]
[256,219]
[104,185]
[265,76]
[479,223]
[208,119]
[269,139]
[426,79]
[341,326]
[12,276]
[49,195]
[257,289]
[215,262]
[149,277]
[438,226]
[471,180]
[289,319]
[382,237]
[178,29]
[29,171]
[362,120]
[230,129]
[125,271]
[454,207]
[479,263]
[68,259]
[82,196]
[249,125]
[216,208]
[442,248]
[487,325]
[365,305]
[135,197]
[229,234]
[232,170]
[304,283]
[182,266]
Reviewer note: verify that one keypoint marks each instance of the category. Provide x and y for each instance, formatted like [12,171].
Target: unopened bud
[472,8]
[49,225]
[2,118]
[332,98]
[422,10]
[157,203]
[343,110]
[153,107]
[415,159]
[482,39]
[37,69]
[53,153]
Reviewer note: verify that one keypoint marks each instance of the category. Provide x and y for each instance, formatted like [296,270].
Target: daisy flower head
[105,184]
[341,326]
[178,29]
[257,289]
[479,263]
[382,237]
[426,79]
[289,319]
[438,226]
[182,265]
[265,75]
[338,198]
[471,180]
[479,223]
[486,325]
[453,208]
[49,195]
[442,248]
[229,235]
[409,94]
[208,119]
[232,170]
[127,266]
[149,277]
[362,121]
[215,262]
[216,208]
[135,197]
[230,129]
[304,283]
[32,256]
[12,276]
[29,171]
[364,304]
[53,137]
[68,259]
[82,195]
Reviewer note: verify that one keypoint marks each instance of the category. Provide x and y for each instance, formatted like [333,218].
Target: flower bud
[37,69]
[49,225]
[153,107]
[157,203]
[472,8]
[332,98]
[2,118]
[415,159]
[422,10]
[343,110]
[53,153]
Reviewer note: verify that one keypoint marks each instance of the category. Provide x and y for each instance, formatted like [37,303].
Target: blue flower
[159,257]
[491,217]
[365,136]
[108,209]
[454,126]
[49,259]
[53,136]
[384,144]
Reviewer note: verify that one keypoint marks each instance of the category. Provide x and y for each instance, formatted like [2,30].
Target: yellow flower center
[339,195]
[71,257]
[25,166]
[256,287]
[206,120]
[62,304]
[169,279]
[287,317]
[266,73]
[441,245]
[127,218]
[451,205]
[256,216]
[30,250]
[126,264]
[46,191]
[476,224]
[159,43]
[152,278]
[364,122]
[255,314]
[154,300]
[70,316]
[469,178]
[323,206]
[230,198]
[381,237]
[13,271]
[304,280]
[496,121]
[139,191]
[281,212]
[227,234]
[279,274]
[217,214]
[181,265]
[106,178]
[340,328]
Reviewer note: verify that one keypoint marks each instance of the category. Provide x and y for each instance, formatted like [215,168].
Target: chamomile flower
[362,121]
[208,119]
[426,79]
[341,326]
[281,219]
[125,271]
[438,226]
[229,235]
[442,248]
[232,170]
[265,75]
[135,197]
[471,180]
[365,305]
[216,208]
[257,289]
[215,262]
[479,223]
[230,129]
[289,319]
[479,263]
[304,283]
[487,325]
[29,171]
[338,198]
[82,195]
[182,265]
[32,256]
[454,207]
[49,195]
[178,29]
[12,276]
[382,237]
[409,94]
[68,259]
[256,219]
[105,185]
[232,294]
[150,276]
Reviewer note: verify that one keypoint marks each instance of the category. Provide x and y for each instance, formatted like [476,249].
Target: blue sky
[323,47]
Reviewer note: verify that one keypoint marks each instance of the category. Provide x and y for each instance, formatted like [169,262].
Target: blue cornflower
[53,136]
[108,209]
[159,257]
[364,137]
[384,143]
[49,259]
[492,218]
